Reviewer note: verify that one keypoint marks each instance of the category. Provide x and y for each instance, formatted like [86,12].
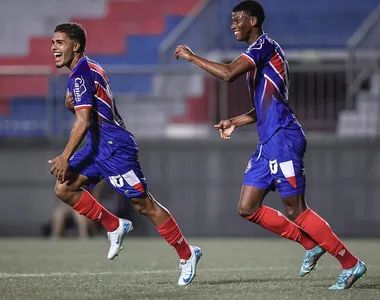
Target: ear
[76,46]
[253,21]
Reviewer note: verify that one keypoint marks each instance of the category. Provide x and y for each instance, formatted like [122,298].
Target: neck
[75,60]
[255,35]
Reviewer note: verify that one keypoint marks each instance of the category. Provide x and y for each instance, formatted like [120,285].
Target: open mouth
[237,33]
[57,55]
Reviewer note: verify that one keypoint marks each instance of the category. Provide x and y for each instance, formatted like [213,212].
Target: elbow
[85,125]
[228,77]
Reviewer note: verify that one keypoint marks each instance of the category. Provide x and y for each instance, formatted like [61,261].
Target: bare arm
[226,72]
[227,127]
[245,119]
[78,132]
[60,164]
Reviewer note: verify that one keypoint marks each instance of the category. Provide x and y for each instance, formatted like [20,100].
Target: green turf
[148,269]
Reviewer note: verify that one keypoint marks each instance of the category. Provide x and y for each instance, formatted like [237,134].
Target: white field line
[147,272]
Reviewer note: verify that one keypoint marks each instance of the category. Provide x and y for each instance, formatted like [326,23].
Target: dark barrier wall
[199,181]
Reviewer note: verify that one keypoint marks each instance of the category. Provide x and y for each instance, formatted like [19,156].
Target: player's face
[241,25]
[63,49]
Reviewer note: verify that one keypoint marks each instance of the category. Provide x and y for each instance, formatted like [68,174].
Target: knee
[143,206]
[245,210]
[293,212]
[141,209]
[62,192]
[294,206]
[250,200]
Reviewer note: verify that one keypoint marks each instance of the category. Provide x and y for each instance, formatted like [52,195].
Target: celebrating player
[278,160]
[110,152]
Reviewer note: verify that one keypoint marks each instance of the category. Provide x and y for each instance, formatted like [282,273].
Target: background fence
[182,95]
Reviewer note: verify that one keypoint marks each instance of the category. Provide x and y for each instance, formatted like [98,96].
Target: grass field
[148,269]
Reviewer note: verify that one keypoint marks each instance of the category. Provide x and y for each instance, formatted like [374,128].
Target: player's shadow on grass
[360,285]
[368,283]
[367,286]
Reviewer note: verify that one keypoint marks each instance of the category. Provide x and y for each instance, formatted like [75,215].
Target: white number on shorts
[129,177]
[273,166]
[117,181]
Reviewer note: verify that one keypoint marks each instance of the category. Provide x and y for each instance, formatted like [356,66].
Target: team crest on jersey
[256,45]
[79,88]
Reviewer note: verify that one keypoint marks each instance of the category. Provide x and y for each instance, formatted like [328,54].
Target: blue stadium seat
[27,117]
[300,24]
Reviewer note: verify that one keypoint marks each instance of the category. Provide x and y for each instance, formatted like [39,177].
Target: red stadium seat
[107,35]
[198,109]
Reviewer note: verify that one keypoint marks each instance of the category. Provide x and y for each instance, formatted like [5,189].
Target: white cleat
[116,237]
[188,267]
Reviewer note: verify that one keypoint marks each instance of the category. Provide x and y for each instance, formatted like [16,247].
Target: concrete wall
[199,181]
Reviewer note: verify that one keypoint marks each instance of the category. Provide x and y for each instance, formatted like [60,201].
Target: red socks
[320,231]
[276,222]
[92,209]
[170,231]
[317,231]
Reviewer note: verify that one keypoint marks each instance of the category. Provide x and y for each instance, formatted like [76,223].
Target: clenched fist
[183,51]
[69,101]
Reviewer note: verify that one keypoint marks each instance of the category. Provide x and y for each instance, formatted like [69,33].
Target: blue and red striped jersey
[268,85]
[91,89]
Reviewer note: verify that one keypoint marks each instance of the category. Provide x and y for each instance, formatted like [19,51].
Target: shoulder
[261,50]
[94,66]
[262,45]
[83,68]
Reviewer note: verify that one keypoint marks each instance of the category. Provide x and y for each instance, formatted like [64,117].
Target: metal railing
[190,27]
[161,101]
[208,28]
[363,55]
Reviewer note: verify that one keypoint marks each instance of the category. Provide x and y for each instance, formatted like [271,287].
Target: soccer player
[278,160]
[110,153]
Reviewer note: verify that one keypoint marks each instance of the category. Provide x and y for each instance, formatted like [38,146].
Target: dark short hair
[75,32]
[253,9]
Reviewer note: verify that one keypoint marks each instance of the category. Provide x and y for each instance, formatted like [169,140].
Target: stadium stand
[119,36]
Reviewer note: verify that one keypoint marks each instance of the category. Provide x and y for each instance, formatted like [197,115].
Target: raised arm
[226,72]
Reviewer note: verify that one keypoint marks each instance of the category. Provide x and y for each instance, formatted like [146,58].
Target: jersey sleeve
[81,87]
[258,53]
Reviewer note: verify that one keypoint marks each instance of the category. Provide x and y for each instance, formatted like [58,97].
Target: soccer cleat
[188,267]
[310,260]
[116,237]
[348,277]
